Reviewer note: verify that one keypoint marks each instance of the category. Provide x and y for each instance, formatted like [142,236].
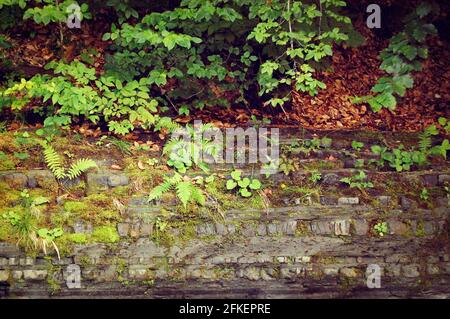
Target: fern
[184,189]
[425,141]
[80,167]
[184,192]
[55,164]
[197,195]
[54,161]
[159,190]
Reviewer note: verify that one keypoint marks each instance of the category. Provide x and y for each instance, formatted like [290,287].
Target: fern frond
[171,144]
[53,161]
[80,167]
[424,141]
[188,192]
[184,192]
[159,190]
[176,178]
[198,196]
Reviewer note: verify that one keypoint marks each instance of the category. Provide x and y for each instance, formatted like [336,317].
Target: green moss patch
[105,234]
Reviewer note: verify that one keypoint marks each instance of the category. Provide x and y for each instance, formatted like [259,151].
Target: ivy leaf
[244,183]
[236,175]
[245,193]
[255,185]
[231,184]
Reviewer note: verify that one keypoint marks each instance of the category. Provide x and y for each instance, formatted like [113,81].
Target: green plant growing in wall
[381,228]
[287,165]
[243,185]
[46,237]
[185,190]
[23,223]
[55,163]
[399,158]
[357,146]
[424,194]
[315,177]
[357,181]
[308,145]
[189,148]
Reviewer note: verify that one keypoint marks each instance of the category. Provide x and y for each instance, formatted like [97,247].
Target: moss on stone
[5,229]
[96,209]
[230,200]
[121,191]
[105,234]
[77,238]
[302,229]
[6,163]
[420,229]
[8,196]
[76,207]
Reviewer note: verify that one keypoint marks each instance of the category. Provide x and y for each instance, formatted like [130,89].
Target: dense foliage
[180,55]
[200,53]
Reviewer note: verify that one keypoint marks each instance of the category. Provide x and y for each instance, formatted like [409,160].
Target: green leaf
[387,100]
[376,149]
[245,193]
[184,191]
[236,175]
[255,184]
[244,182]
[231,184]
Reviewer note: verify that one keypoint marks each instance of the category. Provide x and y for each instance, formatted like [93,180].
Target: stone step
[112,178]
[257,260]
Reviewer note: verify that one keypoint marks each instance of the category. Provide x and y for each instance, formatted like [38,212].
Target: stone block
[430,180]
[123,229]
[322,228]
[443,178]
[341,227]
[35,274]
[397,227]
[14,180]
[42,179]
[328,201]
[348,201]
[410,271]
[331,180]
[349,272]
[361,227]
[118,180]
[4,275]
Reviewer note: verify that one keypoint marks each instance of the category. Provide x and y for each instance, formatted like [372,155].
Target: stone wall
[318,248]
